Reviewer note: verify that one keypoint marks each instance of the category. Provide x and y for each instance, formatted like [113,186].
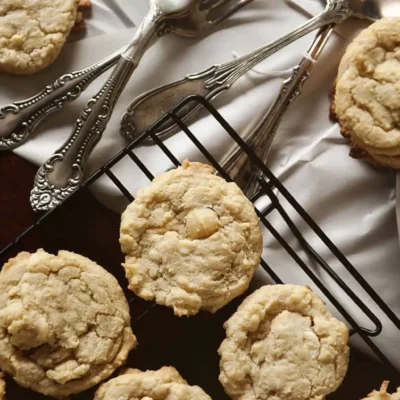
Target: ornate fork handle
[18,120]
[62,173]
[223,76]
[237,163]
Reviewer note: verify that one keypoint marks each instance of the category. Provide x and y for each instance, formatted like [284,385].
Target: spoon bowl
[374,10]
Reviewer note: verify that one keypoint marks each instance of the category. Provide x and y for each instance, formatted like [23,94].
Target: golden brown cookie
[64,322]
[367,94]
[164,384]
[192,240]
[32,33]
[283,344]
[382,393]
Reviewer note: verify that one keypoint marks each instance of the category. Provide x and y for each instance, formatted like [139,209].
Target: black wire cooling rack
[269,185]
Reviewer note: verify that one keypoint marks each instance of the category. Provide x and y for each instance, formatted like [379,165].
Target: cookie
[382,393]
[164,384]
[32,33]
[283,344]
[64,322]
[2,387]
[366,99]
[192,240]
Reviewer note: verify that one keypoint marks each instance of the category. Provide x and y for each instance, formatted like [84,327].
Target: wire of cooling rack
[268,182]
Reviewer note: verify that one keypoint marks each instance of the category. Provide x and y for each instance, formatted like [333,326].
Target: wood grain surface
[189,344]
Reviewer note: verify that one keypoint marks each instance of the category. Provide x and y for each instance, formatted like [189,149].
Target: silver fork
[63,172]
[237,164]
[19,120]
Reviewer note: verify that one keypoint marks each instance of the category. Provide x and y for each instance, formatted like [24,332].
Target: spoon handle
[146,109]
[149,107]
[18,120]
[63,172]
[237,163]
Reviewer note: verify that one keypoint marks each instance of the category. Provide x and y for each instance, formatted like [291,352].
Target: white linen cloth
[351,201]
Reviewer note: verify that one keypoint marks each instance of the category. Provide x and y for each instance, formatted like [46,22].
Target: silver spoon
[19,120]
[149,107]
[63,172]
[237,164]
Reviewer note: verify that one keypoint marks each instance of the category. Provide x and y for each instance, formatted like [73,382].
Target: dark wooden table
[191,344]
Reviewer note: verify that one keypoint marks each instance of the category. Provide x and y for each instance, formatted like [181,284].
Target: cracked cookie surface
[64,322]
[32,33]
[283,344]
[164,384]
[382,394]
[192,241]
[367,94]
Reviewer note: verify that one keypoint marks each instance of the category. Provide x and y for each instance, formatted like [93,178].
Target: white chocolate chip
[201,223]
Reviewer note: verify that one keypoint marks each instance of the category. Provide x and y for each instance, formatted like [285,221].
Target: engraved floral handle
[18,120]
[237,163]
[63,172]
[148,108]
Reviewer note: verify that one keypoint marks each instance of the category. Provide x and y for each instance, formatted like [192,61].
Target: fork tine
[224,12]
[211,4]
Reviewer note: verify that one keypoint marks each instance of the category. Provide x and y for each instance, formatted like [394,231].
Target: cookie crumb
[80,25]
[2,387]
[382,393]
[84,4]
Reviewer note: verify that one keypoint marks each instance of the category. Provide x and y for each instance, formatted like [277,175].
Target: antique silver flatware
[236,163]
[63,172]
[149,107]
[20,119]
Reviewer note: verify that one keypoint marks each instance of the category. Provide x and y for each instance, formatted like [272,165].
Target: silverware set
[63,172]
